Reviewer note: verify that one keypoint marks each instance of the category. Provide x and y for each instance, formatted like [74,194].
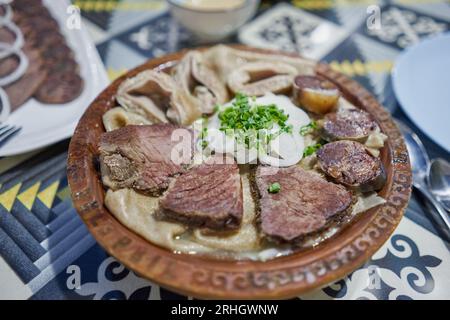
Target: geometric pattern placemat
[46,251]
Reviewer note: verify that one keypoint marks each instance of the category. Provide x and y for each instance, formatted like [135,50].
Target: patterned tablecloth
[46,251]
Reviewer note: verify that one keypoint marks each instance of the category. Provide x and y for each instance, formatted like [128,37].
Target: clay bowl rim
[202,277]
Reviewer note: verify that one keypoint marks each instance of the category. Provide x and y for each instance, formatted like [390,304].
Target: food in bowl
[213,4]
[219,157]
[213,20]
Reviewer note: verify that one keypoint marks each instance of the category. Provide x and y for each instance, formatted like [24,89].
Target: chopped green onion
[309,128]
[241,115]
[274,187]
[309,150]
[204,144]
[204,133]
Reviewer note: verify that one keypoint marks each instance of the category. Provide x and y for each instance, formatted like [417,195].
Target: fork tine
[8,134]
[3,127]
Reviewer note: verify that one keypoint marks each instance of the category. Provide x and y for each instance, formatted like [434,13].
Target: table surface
[46,251]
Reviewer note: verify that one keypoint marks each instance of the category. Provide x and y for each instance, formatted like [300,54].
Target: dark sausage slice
[8,65]
[304,205]
[67,64]
[349,163]
[56,52]
[59,88]
[7,36]
[350,124]
[315,94]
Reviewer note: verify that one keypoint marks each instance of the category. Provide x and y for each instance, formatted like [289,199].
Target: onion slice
[284,150]
[5,106]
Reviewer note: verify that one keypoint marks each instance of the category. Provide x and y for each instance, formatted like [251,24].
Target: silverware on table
[420,164]
[7,132]
[439,181]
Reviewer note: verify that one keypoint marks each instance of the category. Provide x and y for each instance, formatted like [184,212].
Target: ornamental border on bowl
[203,277]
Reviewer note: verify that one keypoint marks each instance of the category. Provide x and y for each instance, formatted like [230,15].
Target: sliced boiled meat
[350,163]
[349,124]
[209,195]
[304,204]
[144,157]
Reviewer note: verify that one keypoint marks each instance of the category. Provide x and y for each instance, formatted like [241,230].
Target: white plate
[421,81]
[43,124]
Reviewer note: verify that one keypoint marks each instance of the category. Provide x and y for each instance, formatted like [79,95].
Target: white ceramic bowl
[214,24]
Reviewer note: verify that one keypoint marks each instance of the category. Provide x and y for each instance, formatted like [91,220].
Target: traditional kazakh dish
[238,155]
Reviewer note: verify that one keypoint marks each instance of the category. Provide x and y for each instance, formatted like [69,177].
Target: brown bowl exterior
[204,277]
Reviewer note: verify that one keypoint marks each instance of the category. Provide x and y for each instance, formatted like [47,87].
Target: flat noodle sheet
[209,73]
[246,238]
[137,212]
[225,60]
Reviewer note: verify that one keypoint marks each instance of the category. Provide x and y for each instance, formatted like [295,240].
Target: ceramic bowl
[204,277]
[213,25]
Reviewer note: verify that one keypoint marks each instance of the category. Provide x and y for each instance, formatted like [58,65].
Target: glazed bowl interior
[210,25]
[206,277]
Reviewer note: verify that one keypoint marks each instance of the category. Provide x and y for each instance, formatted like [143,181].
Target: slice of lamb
[349,163]
[207,196]
[349,124]
[259,78]
[305,204]
[144,157]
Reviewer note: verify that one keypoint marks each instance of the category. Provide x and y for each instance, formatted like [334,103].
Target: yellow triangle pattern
[28,196]
[48,194]
[7,198]
[64,193]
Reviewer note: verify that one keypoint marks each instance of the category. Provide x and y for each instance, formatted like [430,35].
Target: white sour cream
[283,151]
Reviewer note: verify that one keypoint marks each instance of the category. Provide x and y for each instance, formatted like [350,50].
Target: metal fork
[7,132]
